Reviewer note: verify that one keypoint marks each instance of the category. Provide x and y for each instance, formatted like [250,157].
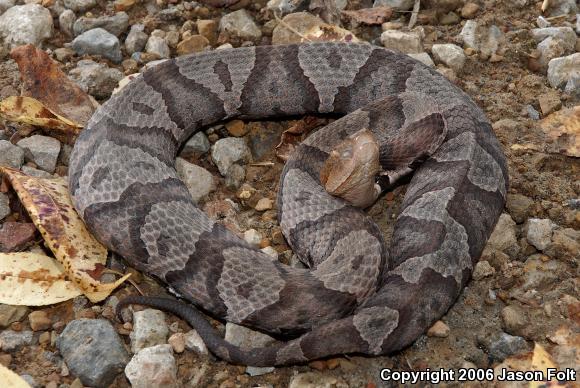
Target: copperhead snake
[358,294]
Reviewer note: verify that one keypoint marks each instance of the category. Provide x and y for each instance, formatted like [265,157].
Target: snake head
[351,168]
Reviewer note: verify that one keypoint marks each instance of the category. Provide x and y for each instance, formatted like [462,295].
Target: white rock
[228,151]
[270,252]
[194,342]
[149,329]
[405,42]
[42,150]
[259,371]
[246,338]
[5,4]
[423,57]
[539,232]
[566,34]
[241,24]
[24,24]
[549,49]
[198,180]
[66,21]
[468,34]
[158,46]
[542,22]
[153,367]
[503,238]
[136,39]
[563,70]
[283,7]
[252,237]
[450,55]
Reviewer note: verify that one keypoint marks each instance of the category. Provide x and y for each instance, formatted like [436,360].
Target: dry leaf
[541,361]
[377,15]
[48,203]
[563,128]
[31,279]
[295,134]
[328,33]
[10,379]
[43,80]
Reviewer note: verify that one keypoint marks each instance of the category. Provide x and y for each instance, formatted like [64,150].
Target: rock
[192,44]
[35,172]
[439,329]
[177,342]
[63,54]
[42,150]
[486,40]
[549,49]
[25,24]
[153,367]
[98,42]
[316,380]
[400,5]
[549,102]
[93,351]
[502,345]
[66,22]
[283,7]
[80,5]
[39,320]
[301,22]
[4,210]
[565,244]
[503,238]
[263,204]
[259,371]
[194,342]
[30,381]
[541,274]
[235,176]
[562,7]
[208,29]
[228,151]
[565,34]
[514,320]
[246,338]
[136,39]
[450,55]
[14,236]
[253,237]
[237,128]
[449,19]
[469,10]
[539,232]
[157,46]
[423,57]
[468,34]
[116,24]
[197,145]
[11,155]
[482,270]
[5,4]
[542,22]
[198,180]
[10,314]
[97,79]
[270,252]
[531,113]
[519,207]
[563,70]
[241,24]
[11,340]
[405,42]
[149,329]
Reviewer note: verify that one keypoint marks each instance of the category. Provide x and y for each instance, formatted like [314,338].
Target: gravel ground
[525,289]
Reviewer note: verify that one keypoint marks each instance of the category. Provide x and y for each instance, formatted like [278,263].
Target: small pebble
[264,204]
[439,329]
[253,237]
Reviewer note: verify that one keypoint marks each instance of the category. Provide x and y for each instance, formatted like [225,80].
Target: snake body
[358,294]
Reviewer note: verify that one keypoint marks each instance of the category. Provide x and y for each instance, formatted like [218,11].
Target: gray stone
[578,23]
[486,40]
[11,155]
[539,232]
[97,79]
[423,58]
[563,70]
[401,5]
[562,7]
[8,313]
[405,42]
[98,42]
[259,371]
[136,39]
[5,4]
[24,24]
[149,329]
[11,340]
[514,320]
[252,237]
[316,380]
[283,7]
[450,55]
[169,14]
[4,211]
[153,367]
[31,171]
[235,176]
[468,34]
[519,207]
[80,5]
[502,345]
[565,34]
[483,270]
[228,151]
[541,274]
[241,24]
[93,351]
[194,342]
[116,24]
[549,49]
[42,150]
[197,145]
[503,238]
[66,21]
[542,22]
[198,180]
[573,86]
[531,112]
[158,46]
[246,338]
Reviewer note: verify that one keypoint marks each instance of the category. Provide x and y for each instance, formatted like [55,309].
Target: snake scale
[358,294]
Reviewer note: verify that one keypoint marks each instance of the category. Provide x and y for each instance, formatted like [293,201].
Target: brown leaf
[563,129]
[377,15]
[48,203]
[43,80]
[295,134]
[11,379]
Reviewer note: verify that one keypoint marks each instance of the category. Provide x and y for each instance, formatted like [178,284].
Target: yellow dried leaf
[27,110]
[329,33]
[48,203]
[10,379]
[541,361]
[32,279]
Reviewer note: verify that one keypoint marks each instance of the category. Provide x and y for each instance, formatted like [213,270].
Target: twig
[413,19]
[262,164]
[133,283]
[290,28]
[545,5]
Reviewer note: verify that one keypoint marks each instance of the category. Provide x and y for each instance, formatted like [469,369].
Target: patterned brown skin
[358,296]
